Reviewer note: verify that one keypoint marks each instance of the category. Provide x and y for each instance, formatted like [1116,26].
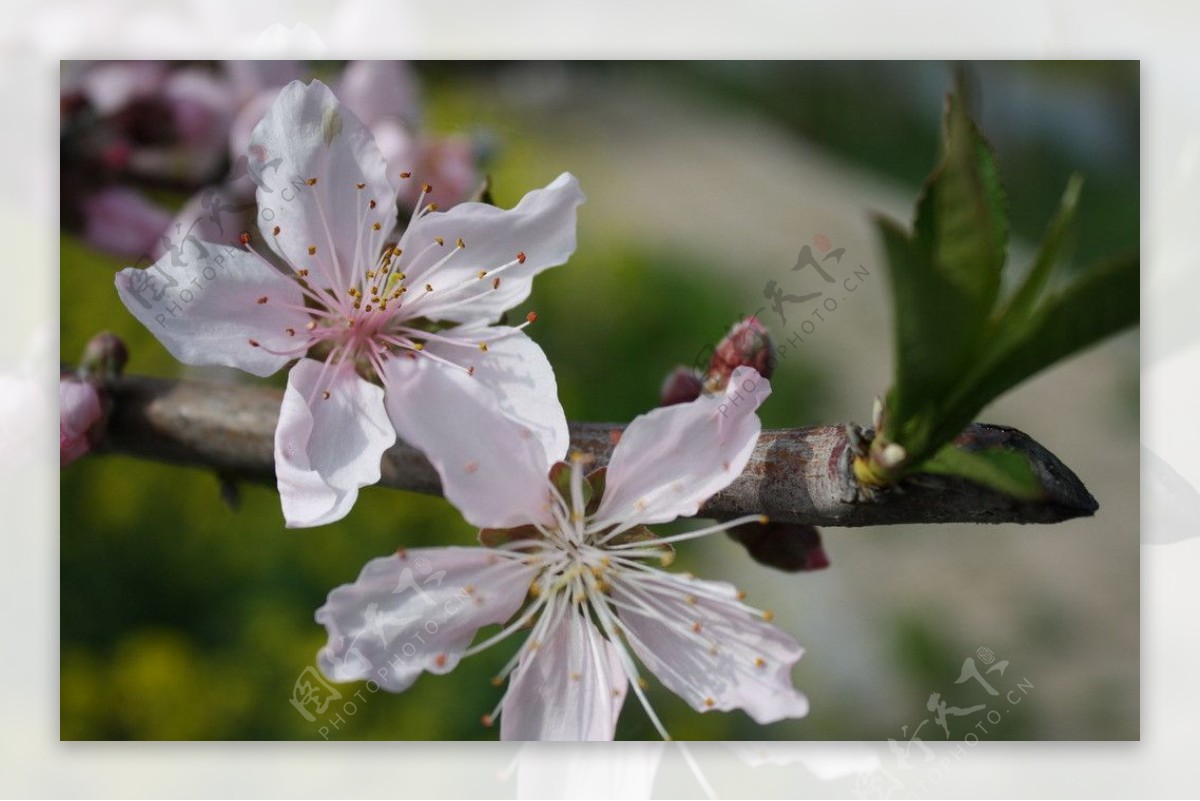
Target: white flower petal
[518,374]
[307,134]
[669,461]
[541,226]
[328,447]
[493,469]
[417,610]
[571,687]
[215,214]
[734,660]
[201,301]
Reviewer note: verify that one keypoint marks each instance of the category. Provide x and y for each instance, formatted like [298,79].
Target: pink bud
[793,547]
[748,344]
[79,410]
[105,356]
[683,385]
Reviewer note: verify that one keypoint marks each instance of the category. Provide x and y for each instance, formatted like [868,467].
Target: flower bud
[104,356]
[792,547]
[747,344]
[79,411]
[683,385]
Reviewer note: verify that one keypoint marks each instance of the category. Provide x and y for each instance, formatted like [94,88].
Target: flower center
[369,310]
[598,569]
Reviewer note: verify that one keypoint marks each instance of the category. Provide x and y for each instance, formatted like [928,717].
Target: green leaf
[962,217]
[996,468]
[929,358]
[1024,300]
[1102,302]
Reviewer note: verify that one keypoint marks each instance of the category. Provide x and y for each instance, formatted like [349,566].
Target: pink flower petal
[517,373]
[541,228]
[698,640]
[571,687]
[669,461]
[380,90]
[493,469]
[202,302]
[202,108]
[328,445]
[123,222]
[248,78]
[309,155]
[417,611]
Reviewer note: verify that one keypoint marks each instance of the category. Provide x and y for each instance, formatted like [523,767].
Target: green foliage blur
[184,619]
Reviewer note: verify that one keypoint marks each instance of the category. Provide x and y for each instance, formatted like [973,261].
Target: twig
[794,475]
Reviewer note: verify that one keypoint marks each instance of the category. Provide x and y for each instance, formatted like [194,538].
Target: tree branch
[795,475]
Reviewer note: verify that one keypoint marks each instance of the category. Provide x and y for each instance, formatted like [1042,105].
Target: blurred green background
[184,619]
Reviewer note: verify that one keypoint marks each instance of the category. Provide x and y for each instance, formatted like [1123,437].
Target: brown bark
[795,475]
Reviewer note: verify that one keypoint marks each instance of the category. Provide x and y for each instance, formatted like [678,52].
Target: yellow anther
[429,287]
[418,346]
[759,662]
[439,240]
[312,250]
[483,346]
[481,274]
[311,182]
[375,226]
[459,243]
[709,702]
[768,615]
